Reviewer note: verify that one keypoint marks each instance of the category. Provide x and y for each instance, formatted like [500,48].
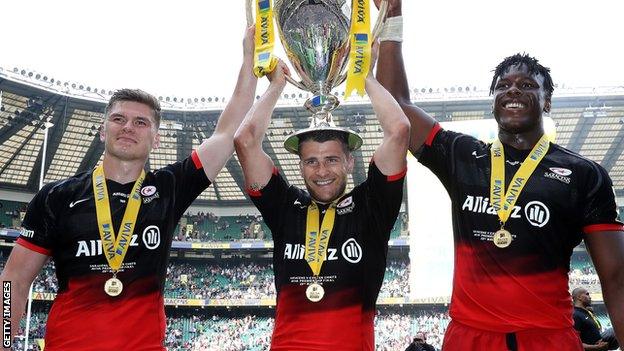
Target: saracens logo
[345,206]
[351,251]
[561,171]
[537,214]
[151,237]
[148,190]
[149,194]
[560,174]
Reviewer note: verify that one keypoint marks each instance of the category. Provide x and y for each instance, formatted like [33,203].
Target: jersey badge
[345,206]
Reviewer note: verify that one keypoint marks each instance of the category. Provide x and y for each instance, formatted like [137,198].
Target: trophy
[319,39]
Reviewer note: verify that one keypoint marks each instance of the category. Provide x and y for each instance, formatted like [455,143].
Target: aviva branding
[264,7]
[361,40]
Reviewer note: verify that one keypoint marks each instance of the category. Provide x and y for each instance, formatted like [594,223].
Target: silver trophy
[315,37]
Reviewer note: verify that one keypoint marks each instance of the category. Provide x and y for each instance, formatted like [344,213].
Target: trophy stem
[321,103]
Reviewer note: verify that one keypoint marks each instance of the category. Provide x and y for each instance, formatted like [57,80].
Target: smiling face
[130,131]
[519,100]
[325,167]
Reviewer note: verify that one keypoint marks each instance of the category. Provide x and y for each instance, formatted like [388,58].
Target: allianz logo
[88,248]
[351,252]
[297,252]
[535,212]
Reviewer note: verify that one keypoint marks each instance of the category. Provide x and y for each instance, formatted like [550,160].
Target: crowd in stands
[583,274]
[223,281]
[11,213]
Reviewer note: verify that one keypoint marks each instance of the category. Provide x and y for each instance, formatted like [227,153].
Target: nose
[128,126]
[322,169]
[514,91]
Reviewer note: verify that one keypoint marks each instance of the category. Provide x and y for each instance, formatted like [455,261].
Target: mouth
[514,105]
[323,182]
[127,140]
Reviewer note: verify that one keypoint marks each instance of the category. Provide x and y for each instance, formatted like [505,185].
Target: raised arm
[257,165]
[607,252]
[390,154]
[20,271]
[391,74]
[215,151]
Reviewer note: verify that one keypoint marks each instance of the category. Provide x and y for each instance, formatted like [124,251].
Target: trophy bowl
[315,35]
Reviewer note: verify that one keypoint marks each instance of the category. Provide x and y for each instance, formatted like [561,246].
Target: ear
[350,163]
[547,105]
[301,167]
[156,143]
[103,132]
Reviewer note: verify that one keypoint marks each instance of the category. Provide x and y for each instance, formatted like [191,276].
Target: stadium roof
[589,121]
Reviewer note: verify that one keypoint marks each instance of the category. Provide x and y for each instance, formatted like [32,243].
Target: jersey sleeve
[440,151]
[190,181]
[599,209]
[38,229]
[384,196]
[270,200]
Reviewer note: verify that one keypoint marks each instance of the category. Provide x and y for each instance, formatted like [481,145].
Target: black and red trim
[398,176]
[196,161]
[610,227]
[258,193]
[434,131]
[33,247]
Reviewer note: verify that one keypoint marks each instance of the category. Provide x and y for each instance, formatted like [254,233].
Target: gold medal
[502,238]
[113,287]
[315,292]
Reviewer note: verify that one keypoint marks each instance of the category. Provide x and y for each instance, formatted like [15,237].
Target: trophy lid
[354,141]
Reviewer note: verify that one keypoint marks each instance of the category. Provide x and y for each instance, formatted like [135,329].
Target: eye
[140,122]
[117,119]
[502,85]
[310,163]
[333,160]
[528,85]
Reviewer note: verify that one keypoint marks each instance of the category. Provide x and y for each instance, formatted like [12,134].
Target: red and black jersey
[61,222]
[351,274]
[523,286]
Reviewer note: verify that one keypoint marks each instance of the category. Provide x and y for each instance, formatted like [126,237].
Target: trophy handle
[250,21]
[381,21]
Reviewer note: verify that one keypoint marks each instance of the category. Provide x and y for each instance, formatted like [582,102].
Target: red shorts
[460,337]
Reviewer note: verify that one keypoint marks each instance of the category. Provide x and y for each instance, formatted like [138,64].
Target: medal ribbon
[503,206]
[115,246]
[264,61]
[360,53]
[591,314]
[316,241]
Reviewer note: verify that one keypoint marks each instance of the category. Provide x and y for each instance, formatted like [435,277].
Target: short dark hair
[532,65]
[577,292]
[321,136]
[135,95]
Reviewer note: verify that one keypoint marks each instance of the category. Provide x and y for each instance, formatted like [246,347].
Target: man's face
[130,131]
[519,100]
[585,298]
[324,167]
